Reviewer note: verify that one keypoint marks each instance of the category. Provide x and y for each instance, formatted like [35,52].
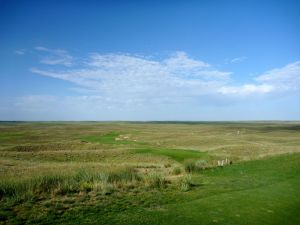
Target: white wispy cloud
[20,51]
[129,79]
[282,80]
[55,56]
[133,87]
[238,59]
[246,89]
[285,79]
[136,79]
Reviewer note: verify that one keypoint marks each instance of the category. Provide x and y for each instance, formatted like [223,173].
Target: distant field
[149,173]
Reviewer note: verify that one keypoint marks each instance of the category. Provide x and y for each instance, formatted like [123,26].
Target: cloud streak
[238,59]
[20,52]
[55,56]
[135,80]
[285,79]
[131,87]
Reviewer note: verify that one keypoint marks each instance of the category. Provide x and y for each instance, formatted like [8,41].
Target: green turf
[104,138]
[8,136]
[109,138]
[177,154]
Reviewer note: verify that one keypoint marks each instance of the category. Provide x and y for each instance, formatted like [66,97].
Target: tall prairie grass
[63,183]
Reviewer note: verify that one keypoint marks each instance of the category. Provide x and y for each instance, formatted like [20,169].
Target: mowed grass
[109,138]
[176,154]
[136,173]
[10,136]
[104,138]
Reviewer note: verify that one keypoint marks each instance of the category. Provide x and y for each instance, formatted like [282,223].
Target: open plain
[149,173]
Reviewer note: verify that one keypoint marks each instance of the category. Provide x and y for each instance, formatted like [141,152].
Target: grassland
[149,173]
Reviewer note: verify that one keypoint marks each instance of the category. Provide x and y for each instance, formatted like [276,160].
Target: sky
[149,60]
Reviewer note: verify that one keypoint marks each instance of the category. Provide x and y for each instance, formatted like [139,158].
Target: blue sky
[149,60]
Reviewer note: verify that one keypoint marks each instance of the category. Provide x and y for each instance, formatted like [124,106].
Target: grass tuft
[191,166]
[186,183]
[176,171]
[155,180]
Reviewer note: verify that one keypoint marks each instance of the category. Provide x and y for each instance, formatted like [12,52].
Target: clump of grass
[86,181]
[86,186]
[167,165]
[186,183]
[37,185]
[194,166]
[125,175]
[176,171]
[201,164]
[108,182]
[46,183]
[83,176]
[104,188]
[11,188]
[189,166]
[155,180]
[68,186]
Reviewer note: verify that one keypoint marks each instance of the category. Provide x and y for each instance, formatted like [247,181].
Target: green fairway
[177,154]
[109,138]
[139,173]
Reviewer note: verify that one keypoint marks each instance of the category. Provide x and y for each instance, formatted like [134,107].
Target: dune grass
[64,183]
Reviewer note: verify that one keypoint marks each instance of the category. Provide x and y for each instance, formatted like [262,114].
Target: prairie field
[149,173]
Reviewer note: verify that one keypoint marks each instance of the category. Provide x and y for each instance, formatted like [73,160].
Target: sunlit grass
[60,172]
